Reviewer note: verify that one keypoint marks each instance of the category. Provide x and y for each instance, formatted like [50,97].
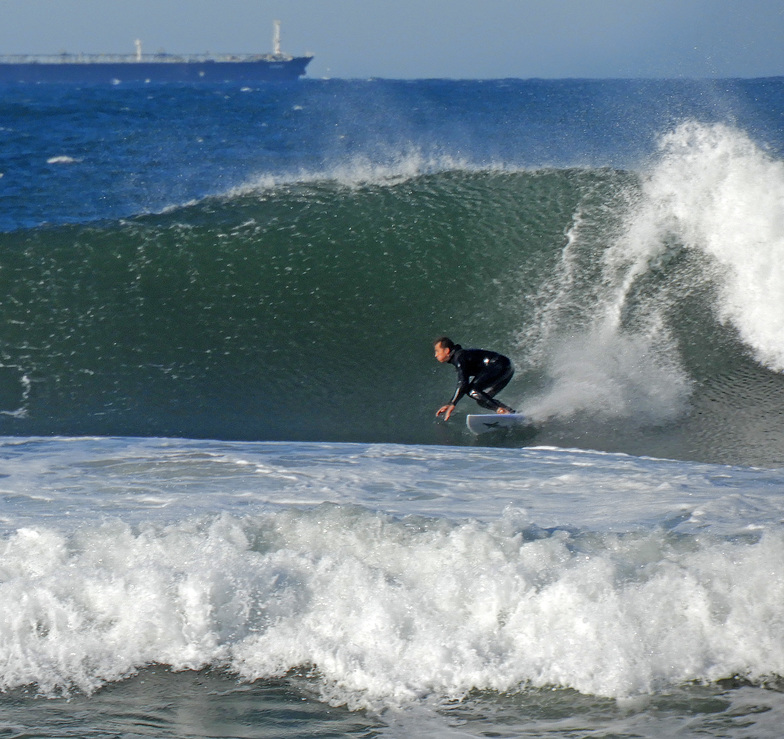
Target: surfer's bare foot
[503,410]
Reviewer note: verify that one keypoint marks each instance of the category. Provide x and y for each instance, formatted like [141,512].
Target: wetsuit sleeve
[462,384]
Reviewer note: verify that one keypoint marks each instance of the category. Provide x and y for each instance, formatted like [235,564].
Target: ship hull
[262,70]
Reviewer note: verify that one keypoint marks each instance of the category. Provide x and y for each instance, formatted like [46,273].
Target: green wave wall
[307,311]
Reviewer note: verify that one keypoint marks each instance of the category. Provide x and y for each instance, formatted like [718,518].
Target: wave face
[305,311]
[274,264]
[637,307]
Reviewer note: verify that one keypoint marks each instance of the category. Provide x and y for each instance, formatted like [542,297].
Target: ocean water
[228,509]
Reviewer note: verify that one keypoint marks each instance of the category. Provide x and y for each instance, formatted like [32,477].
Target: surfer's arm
[462,386]
[460,391]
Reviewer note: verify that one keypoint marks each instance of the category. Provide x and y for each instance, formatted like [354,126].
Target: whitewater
[228,509]
[388,578]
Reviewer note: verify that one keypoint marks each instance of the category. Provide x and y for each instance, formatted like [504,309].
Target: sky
[411,39]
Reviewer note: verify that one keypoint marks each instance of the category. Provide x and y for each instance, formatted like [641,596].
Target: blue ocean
[228,508]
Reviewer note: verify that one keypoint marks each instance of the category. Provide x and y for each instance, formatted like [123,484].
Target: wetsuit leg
[489,383]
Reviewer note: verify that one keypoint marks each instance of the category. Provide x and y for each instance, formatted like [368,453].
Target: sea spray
[604,350]
[707,216]
[716,192]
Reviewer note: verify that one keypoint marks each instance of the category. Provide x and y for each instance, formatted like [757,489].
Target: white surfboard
[483,423]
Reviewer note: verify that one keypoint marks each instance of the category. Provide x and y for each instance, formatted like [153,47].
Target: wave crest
[721,195]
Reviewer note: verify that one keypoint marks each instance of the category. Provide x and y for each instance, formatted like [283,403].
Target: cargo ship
[89,69]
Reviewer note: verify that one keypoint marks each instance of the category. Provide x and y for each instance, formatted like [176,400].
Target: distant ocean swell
[305,310]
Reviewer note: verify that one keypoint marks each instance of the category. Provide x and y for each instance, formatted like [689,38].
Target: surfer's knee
[484,400]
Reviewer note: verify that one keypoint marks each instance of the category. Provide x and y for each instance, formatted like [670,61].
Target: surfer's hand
[446,410]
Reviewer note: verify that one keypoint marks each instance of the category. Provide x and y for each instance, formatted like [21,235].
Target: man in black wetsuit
[480,374]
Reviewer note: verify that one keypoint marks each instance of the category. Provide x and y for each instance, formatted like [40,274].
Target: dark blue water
[141,149]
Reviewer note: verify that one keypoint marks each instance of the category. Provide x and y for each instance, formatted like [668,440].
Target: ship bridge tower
[276,38]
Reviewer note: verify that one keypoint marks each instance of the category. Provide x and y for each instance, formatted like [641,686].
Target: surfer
[481,374]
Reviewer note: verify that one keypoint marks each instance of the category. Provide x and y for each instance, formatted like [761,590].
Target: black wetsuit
[481,375]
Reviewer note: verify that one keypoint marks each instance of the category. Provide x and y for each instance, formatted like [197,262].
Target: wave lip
[720,194]
[672,276]
[362,171]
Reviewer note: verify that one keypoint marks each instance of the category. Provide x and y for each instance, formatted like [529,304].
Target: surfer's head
[444,346]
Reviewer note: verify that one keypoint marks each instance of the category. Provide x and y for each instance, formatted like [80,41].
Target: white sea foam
[363,170]
[62,159]
[612,374]
[389,611]
[718,193]
[391,574]
[606,346]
